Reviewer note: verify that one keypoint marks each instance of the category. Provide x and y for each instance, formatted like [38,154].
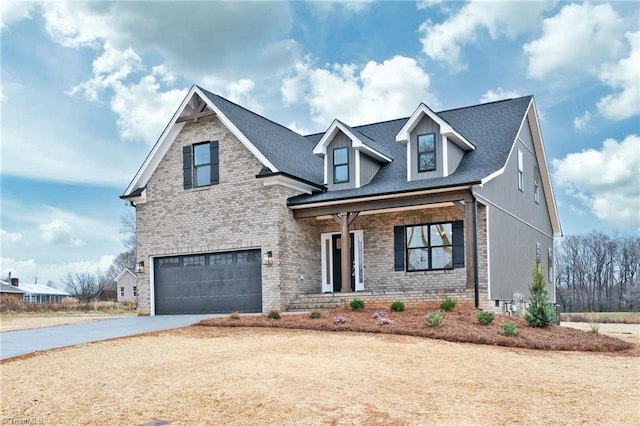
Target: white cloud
[625,77]
[605,181]
[60,233]
[497,95]
[14,11]
[379,91]
[28,270]
[582,123]
[217,35]
[299,130]
[444,41]
[578,39]
[10,237]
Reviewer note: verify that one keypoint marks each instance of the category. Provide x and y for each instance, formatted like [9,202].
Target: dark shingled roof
[492,128]
[284,148]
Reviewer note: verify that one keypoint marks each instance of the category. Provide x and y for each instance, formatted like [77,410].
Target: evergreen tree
[539,311]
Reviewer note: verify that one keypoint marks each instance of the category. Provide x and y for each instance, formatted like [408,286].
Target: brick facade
[241,213]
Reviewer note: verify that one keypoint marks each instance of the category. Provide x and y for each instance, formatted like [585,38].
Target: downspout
[476,283]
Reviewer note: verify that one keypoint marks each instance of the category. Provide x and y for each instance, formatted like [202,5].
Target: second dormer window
[340,165]
[426,152]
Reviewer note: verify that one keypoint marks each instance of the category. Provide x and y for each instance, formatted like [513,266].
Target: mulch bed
[459,325]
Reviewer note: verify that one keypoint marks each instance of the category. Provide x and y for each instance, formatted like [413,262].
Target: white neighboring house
[127,285]
[38,293]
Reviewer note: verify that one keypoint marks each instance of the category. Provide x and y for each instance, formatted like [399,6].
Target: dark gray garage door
[208,283]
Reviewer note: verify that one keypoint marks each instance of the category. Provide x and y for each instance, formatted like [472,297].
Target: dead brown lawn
[249,376]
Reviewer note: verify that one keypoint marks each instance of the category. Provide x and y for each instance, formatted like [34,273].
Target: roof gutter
[476,283]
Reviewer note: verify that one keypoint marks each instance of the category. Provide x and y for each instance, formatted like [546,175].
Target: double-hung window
[341,165]
[134,293]
[121,291]
[200,164]
[536,185]
[520,171]
[427,152]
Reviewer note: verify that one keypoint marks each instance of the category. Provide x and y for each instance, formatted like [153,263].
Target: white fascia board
[160,148]
[356,142]
[237,133]
[538,145]
[172,131]
[321,146]
[288,183]
[404,134]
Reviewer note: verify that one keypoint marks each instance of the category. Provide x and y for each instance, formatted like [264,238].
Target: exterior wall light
[140,267]
[267,258]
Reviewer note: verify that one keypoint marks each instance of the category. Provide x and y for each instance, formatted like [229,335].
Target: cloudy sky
[87,88]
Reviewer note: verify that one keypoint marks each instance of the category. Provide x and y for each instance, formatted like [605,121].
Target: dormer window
[426,152]
[341,165]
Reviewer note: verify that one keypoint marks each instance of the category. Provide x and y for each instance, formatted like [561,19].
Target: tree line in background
[87,286]
[597,272]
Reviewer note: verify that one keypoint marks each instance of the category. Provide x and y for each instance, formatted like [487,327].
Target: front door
[336,253]
[332,261]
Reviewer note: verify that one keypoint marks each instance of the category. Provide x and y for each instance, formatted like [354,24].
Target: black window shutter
[186,167]
[215,168]
[458,244]
[398,248]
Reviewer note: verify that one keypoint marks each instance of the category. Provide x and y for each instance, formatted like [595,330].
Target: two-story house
[238,213]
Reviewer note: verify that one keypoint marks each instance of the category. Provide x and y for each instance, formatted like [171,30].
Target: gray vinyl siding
[368,168]
[425,126]
[454,155]
[516,223]
[340,141]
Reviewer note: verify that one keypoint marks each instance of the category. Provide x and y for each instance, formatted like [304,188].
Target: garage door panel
[228,282]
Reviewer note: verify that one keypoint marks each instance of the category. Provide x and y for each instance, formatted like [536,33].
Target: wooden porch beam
[345,252]
[469,244]
[360,206]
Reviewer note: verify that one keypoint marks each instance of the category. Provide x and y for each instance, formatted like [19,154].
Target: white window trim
[520,170]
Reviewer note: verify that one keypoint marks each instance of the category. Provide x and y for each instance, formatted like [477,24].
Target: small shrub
[448,304]
[357,305]
[235,315]
[274,315]
[315,315]
[397,306]
[434,319]
[508,329]
[485,317]
[339,320]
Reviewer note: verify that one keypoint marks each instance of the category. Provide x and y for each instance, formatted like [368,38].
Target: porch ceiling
[384,204]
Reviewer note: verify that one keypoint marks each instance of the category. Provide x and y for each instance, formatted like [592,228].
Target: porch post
[469,243]
[345,252]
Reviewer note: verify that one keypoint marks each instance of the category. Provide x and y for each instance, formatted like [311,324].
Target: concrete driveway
[16,343]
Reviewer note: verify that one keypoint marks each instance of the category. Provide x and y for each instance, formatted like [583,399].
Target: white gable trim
[541,157]
[356,142]
[121,274]
[404,135]
[171,132]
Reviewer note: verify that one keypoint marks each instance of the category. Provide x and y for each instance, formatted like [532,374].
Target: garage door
[208,283]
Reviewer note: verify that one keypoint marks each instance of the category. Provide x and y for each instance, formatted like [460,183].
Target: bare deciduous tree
[85,286]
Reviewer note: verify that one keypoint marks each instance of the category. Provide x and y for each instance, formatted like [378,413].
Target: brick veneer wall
[239,213]
[242,213]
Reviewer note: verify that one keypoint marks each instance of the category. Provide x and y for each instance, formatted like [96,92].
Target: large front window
[429,247]
[427,152]
[340,165]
